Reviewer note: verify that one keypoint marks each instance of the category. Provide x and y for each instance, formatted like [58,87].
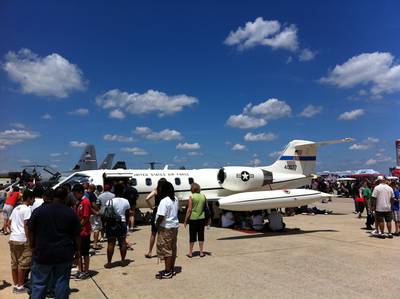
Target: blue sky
[183,82]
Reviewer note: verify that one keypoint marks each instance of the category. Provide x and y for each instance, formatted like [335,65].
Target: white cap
[380,178]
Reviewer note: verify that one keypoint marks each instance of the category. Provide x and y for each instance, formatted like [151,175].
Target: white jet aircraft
[237,188]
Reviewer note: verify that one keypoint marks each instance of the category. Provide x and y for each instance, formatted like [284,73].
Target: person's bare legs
[389,226]
[191,245]
[152,242]
[21,277]
[168,263]
[14,273]
[397,227]
[201,245]
[86,260]
[122,248]
[381,225]
[110,249]
[95,239]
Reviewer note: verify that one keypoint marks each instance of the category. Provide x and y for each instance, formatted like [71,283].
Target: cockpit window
[77,179]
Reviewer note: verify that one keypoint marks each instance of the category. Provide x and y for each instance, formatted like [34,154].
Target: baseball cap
[380,178]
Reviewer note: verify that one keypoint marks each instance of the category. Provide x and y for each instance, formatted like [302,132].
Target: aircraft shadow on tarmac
[271,234]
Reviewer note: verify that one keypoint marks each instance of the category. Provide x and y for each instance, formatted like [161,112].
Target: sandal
[148,256]
[189,256]
[202,255]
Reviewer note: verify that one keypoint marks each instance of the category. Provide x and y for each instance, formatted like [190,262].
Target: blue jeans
[44,275]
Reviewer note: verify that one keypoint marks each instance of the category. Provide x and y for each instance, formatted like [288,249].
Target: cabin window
[133,181]
[191,181]
[177,181]
[148,182]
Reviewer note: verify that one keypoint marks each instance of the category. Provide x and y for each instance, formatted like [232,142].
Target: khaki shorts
[166,242]
[21,255]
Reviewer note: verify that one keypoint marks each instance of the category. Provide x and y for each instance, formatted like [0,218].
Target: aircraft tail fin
[300,156]
[88,160]
[107,163]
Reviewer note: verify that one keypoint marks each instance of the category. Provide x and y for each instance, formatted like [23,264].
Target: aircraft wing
[274,199]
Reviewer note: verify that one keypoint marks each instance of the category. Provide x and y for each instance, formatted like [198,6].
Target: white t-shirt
[383,193]
[38,202]
[120,205]
[18,216]
[227,219]
[169,209]
[275,221]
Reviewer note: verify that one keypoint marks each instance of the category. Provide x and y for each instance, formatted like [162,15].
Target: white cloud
[310,111]
[265,33]
[365,145]
[238,147]
[55,154]
[52,75]
[11,137]
[377,160]
[148,102]
[79,112]
[289,59]
[117,113]
[377,70]
[260,137]
[25,161]
[259,115]
[195,154]
[188,146]
[46,116]
[75,143]
[136,151]
[166,134]
[117,138]
[307,55]
[255,162]
[351,115]
[245,122]
[275,154]
[17,125]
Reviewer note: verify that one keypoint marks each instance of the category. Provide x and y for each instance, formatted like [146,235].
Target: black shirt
[54,227]
[131,195]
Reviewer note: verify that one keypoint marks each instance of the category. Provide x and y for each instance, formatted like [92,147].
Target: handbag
[109,212]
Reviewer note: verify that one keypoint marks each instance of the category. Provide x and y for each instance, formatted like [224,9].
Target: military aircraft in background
[238,188]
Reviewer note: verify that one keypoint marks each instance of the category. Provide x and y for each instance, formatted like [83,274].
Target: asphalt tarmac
[329,257]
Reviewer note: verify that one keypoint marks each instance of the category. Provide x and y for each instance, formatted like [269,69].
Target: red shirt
[12,198]
[83,211]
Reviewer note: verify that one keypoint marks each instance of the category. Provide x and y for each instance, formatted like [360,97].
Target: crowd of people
[54,232]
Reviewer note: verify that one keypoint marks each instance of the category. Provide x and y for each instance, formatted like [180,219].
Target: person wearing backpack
[116,214]
[197,219]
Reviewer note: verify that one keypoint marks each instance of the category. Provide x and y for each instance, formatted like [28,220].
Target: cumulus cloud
[365,145]
[264,33]
[195,154]
[136,151]
[238,147]
[17,125]
[116,113]
[377,160]
[25,161]
[377,70]
[254,116]
[260,137]
[52,75]
[255,162]
[79,112]
[245,122]
[152,101]
[11,137]
[47,116]
[310,111]
[275,154]
[55,155]
[117,138]
[166,134]
[307,55]
[188,146]
[75,143]
[351,115]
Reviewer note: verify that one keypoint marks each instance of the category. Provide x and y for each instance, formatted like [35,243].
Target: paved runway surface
[330,257]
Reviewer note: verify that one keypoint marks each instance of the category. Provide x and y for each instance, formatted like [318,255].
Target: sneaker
[390,236]
[380,236]
[20,290]
[164,275]
[82,276]
[374,233]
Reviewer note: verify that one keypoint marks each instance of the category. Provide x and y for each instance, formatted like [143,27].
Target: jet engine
[236,178]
